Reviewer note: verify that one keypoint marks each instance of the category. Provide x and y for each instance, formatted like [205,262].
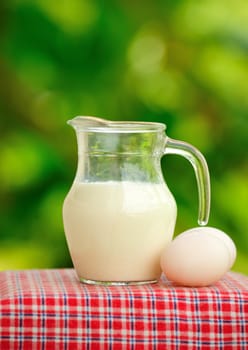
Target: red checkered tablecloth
[51,310]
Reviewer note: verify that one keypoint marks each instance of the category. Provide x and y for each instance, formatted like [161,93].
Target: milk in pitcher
[116,231]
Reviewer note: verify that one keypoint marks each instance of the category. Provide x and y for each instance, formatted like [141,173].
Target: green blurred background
[183,63]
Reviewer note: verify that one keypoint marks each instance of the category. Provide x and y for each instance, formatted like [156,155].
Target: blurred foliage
[180,62]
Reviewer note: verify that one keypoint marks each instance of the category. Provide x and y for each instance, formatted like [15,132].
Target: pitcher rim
[81,123]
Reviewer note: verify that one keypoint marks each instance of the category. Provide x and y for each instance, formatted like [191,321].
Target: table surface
[50,309]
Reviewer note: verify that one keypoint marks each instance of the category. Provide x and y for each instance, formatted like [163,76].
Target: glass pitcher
[119,213]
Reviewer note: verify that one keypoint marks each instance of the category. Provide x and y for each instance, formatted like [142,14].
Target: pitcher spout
[81,122]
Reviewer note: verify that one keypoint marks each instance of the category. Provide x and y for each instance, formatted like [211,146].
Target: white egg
[198,257]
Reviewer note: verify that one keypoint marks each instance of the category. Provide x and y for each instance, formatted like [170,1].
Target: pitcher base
[115,283]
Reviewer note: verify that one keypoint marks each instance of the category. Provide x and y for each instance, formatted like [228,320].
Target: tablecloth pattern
[51,310]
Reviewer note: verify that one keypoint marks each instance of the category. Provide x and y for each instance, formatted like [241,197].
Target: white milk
[116,231]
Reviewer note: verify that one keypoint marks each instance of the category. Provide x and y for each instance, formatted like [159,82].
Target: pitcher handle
[201,172]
